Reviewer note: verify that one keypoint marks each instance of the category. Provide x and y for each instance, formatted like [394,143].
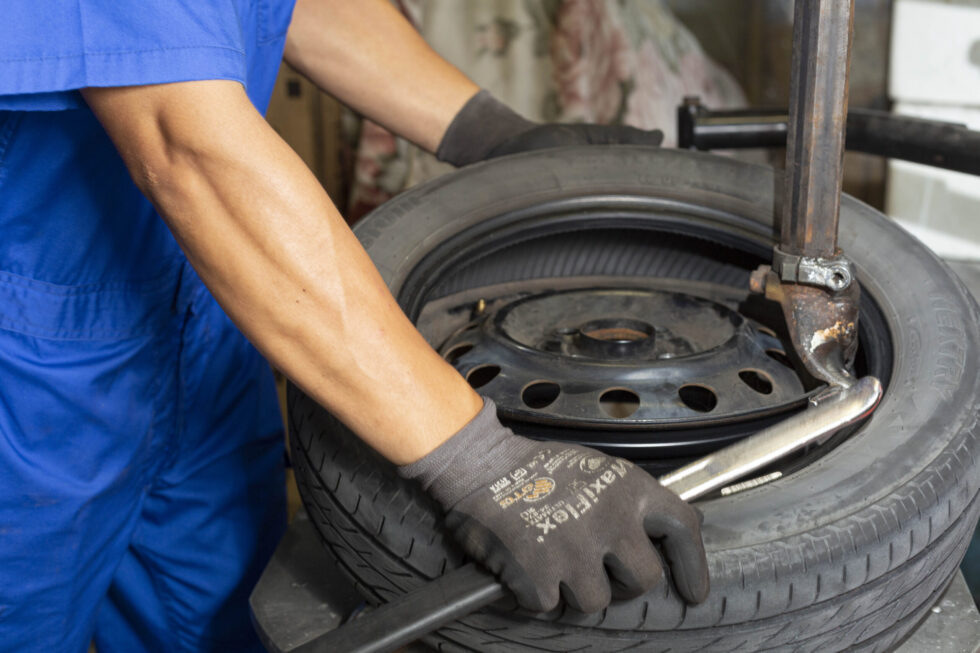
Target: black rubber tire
[845,554]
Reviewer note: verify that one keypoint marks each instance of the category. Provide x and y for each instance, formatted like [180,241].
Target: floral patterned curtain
[605,61]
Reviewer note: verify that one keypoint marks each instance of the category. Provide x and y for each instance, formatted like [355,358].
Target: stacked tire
[847,553]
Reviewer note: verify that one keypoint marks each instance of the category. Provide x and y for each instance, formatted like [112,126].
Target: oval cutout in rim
[540,394]
[619,402]
[457,352]
[482,375]
[758,381]
[699,398]
[780,357]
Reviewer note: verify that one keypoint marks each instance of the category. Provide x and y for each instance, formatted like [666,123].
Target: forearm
[368,56]
[277,256]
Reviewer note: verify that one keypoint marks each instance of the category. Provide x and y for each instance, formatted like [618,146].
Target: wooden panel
[309,121]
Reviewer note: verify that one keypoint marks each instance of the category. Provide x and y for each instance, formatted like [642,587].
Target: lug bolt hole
[619,403]
[756,380]
[457,352]
[482,375]
[540,394]
[780,357]
[698,397]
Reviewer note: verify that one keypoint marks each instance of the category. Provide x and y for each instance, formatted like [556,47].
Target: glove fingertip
[531,597]
[587,600]
[546,604]
[637,136]
[677,528]
[695,584]
[635,570]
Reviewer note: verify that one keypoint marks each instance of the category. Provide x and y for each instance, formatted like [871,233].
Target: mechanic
[141,456]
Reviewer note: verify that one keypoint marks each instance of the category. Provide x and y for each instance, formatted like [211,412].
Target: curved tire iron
[810,278]
[469,588]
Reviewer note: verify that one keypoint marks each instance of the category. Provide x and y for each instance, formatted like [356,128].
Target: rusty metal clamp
[834,274]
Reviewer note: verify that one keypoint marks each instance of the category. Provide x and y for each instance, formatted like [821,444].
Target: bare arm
[271,247]
[368,56]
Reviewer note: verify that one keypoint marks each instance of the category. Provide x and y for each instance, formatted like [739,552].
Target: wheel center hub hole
[611,337]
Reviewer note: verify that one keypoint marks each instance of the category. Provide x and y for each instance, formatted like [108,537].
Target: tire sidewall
[932,317]
[908,474]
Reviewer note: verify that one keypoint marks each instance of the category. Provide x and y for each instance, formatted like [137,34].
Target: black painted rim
[605,212]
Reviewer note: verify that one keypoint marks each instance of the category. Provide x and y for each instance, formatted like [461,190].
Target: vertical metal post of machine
[809,276]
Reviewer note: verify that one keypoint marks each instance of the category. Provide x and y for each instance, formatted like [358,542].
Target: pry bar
[469,588]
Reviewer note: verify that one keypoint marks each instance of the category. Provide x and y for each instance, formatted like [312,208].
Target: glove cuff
[482,124]
[456,467]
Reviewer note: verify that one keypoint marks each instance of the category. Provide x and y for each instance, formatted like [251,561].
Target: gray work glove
[548,517]
[486,128]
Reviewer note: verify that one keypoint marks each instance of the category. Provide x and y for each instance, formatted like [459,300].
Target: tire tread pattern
[796,610]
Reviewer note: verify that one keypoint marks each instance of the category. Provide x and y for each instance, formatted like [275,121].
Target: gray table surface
[952,625]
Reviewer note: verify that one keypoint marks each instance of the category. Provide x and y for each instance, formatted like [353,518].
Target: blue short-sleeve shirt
[131,410]
[69,213]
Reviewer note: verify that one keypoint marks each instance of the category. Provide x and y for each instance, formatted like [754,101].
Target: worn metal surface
[828,414]
[834,274]
[822,324]
[817,113]
[821,309]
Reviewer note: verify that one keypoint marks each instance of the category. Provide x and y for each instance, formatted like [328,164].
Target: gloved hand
[548,517]
[486,128]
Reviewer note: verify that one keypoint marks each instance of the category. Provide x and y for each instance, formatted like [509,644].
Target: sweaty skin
[268,242]
[275,253]
[366,55]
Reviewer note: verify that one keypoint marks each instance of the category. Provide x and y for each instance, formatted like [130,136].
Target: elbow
[165,172]
[149,175]
[172,137]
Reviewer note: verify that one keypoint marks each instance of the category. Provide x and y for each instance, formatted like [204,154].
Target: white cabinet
[935,73]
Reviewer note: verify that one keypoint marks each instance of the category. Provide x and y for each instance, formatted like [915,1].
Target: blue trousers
[141,469]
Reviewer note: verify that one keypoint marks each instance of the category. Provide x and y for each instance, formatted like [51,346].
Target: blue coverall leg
[141,456]
[214,513]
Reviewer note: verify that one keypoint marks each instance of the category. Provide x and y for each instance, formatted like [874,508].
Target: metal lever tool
[469,588]
[814,283]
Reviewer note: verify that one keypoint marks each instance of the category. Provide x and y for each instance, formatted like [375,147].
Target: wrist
[481,125]
[467,459]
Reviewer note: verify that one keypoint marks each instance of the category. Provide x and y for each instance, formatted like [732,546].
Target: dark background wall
[753,39]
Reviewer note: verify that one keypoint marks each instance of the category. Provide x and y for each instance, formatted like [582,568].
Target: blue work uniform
[141,456]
